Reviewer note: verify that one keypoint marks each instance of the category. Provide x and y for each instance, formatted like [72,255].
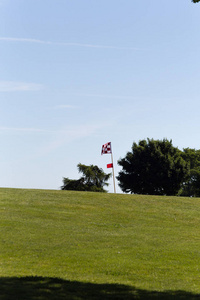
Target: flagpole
[106,148]
[113,173]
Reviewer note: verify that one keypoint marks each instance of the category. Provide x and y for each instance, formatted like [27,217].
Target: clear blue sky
[77,74]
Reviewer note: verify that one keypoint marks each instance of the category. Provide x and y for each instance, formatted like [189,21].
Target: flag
[109,165]
[106,148]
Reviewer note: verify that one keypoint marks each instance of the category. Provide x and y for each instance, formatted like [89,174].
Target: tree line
[153,167]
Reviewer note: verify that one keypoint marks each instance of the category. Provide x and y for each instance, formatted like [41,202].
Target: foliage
[73,184]
[191,185]
[74,245]
[195,1]
[153,167]
[93,179]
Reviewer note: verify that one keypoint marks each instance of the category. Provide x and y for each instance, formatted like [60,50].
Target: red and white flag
[106,148]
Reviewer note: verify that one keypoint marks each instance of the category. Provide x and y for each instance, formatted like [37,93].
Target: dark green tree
[195,1]
[153,167]
[191,185]
[73,184]
[93,179]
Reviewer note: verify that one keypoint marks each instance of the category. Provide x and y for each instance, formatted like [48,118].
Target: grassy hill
[79,245]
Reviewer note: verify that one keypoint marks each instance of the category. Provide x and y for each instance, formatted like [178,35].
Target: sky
[75,75]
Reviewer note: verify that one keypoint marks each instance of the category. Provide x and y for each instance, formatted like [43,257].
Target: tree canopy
[93,179]
[191,184]
[152,167]
[195,1]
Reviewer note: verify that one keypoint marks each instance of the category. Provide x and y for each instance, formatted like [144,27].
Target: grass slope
[79,245]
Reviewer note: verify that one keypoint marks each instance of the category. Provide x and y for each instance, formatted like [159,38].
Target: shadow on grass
[42,288]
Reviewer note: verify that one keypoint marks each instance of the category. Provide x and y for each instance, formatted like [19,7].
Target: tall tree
[152,167]
[93,179]
[191,184]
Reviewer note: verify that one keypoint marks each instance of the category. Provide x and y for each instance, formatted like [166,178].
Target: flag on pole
[106,148]
[109,165]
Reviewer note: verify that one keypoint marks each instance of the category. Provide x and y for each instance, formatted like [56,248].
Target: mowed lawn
[79,245]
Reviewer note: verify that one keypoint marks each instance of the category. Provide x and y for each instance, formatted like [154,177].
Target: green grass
[79,245]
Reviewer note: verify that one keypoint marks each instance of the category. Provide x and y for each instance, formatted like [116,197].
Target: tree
[191,185]
[195,1]
[152,167]
[93,179]
[73,184]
